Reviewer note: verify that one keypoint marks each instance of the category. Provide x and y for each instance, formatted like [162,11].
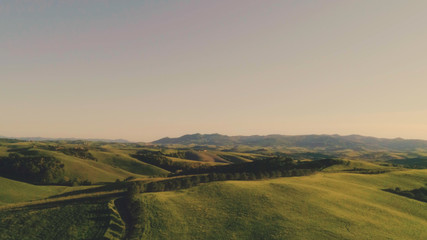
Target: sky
[143,70]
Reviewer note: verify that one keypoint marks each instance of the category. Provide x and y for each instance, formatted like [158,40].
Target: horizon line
[197,133]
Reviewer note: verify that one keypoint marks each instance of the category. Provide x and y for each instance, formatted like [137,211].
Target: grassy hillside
[79,220]
[86,161]
[233,157]
[362,167]
[194,155]
[125,162]
[3,151]
[91,170]
[192,162]
[204,157]
[323,206]
[14,191]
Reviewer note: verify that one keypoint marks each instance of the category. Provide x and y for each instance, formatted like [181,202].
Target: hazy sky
[142,70]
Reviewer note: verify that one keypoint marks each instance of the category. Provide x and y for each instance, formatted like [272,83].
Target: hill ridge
[334,141]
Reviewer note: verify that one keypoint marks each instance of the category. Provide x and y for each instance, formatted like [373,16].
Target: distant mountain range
[327,142]
[67,139]
[332,142]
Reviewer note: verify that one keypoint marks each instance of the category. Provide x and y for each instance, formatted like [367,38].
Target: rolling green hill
[85,161]
[14,191]
[203,156]
[125,162]
[93,171]
[323,206]
[94,219]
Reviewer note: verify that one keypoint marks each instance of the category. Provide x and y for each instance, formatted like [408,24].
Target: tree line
[268,165]
[37,169]
[77,151]
[419,194]
[33,169]
[248,171]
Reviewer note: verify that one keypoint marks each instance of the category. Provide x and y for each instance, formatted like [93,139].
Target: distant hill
[67,139]
[200,139]
[332,142]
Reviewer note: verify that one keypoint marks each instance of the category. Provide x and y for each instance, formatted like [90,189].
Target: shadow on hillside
[104,188]
[366,171]
[416,163]
[419,194]
[59,203]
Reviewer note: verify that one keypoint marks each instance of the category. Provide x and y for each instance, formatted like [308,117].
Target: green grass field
[323,206]
[91,170]
[327,205]
[78,220]
[14,191]
[354,164]
[127,163]
[3,151]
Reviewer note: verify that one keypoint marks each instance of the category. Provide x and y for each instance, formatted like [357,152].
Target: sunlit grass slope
[204,156]
[89,169]
[196,163]
[107,165]
[3,151]
[359,165]
[13,191]
[322,206]
[125,162]
[233,157]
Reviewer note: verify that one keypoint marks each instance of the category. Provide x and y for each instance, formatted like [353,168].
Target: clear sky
[143,70]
